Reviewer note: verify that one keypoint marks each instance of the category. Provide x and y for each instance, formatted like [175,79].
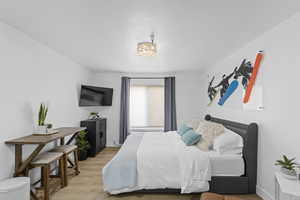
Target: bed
[161,163]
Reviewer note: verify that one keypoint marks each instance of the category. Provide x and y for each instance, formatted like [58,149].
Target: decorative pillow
[194,123]
[229,143]
[190,137]
[209,131]
[183,129]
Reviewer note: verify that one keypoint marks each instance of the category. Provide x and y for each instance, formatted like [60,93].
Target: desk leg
[71,163]
[25,164]
[72,138]
[62,141]
[69,142]
[18,157]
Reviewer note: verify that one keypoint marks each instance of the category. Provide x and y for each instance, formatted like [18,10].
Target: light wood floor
[88,184]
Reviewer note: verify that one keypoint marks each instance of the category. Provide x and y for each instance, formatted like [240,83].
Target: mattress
[226,165]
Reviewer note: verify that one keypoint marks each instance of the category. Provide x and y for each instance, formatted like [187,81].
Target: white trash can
[15,189]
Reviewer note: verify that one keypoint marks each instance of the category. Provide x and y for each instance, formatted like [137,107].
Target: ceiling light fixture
[147,48]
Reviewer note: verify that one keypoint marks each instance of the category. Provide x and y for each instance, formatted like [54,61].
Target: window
[146,107]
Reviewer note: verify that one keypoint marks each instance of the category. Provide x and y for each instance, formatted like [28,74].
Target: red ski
[253,76]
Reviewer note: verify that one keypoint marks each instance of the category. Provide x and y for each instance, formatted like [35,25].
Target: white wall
[279,77]
[187,98]
[32,73]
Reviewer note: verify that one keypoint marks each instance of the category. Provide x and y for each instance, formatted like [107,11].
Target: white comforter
[164,161]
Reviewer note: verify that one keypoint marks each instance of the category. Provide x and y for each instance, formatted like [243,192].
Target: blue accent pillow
[183,129]
[191,137]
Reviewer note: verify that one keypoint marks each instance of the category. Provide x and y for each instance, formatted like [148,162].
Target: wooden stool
[66,150]
[214,196]
[44,160]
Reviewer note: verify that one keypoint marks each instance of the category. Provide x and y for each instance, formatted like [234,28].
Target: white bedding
[174,165]
[158,157]
[164,161]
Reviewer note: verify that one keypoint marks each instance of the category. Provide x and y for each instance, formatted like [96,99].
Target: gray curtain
[170,104]
[124,114]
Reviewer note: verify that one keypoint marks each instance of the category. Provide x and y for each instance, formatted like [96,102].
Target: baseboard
[114,145]
[263,193]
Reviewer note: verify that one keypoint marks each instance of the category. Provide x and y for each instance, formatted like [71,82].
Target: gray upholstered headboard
[249,134]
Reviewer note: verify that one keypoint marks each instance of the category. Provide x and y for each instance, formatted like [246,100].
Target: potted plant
[287,166]
[83,145]
[42,127]
[94,115]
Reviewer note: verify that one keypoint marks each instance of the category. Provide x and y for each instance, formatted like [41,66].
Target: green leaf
[291,160]
[285,158]
[45,113]
[40,115]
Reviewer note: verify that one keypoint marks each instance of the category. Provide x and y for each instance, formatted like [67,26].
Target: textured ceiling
[102,34]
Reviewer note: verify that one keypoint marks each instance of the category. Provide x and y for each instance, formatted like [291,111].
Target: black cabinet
[96,135]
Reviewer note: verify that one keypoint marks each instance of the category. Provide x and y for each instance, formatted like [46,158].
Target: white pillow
[228,143]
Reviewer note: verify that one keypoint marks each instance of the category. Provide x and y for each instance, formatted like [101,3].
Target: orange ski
[253,77]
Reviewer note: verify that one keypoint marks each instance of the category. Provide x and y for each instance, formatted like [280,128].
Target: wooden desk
[41,141]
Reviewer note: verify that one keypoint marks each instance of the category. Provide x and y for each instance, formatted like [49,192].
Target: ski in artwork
[251,82]
[223,85]
[229,91]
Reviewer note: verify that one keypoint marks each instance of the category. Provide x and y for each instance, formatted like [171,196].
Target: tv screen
[95,96]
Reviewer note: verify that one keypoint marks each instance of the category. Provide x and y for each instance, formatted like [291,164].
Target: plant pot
[41,129]
[82,155]
[288,172]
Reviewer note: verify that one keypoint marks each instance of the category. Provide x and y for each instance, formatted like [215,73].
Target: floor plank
[88,184]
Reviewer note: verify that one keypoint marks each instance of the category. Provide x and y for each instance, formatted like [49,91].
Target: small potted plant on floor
[83,145]
[287,167]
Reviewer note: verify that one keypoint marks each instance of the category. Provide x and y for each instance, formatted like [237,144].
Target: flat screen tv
[95,96]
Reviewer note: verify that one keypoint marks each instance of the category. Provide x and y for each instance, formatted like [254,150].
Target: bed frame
[245,184]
